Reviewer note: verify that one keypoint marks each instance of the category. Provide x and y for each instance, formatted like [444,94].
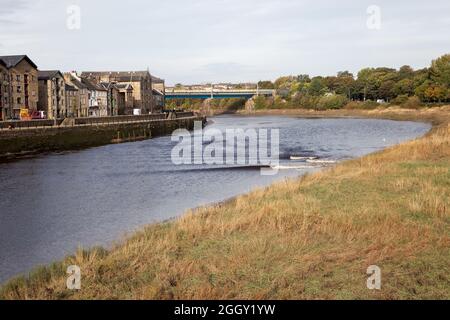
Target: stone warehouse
[19,82]
[141,81]
[25,90]
[52,94]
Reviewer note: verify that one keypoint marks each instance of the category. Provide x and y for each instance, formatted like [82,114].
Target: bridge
[217,94]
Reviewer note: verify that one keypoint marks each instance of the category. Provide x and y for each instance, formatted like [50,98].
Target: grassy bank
[307,238]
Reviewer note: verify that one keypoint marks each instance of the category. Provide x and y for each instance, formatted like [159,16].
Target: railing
[118,119]
[185,114]
[33,124]
[29,124]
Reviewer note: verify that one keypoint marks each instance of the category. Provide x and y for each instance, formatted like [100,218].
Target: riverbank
[434,115]
[25,142]
[307,238]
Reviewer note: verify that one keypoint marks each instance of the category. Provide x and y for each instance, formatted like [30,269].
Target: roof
[125,86]
[12,61]
[122,76]
[70,88]
[158,80]
[108,85]
[77,84]
[49,74]
[92,85]
[157,92]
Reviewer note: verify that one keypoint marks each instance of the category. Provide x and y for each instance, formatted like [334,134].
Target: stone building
[112,98]
[4,91]
[72,100]
[141,82]
[125,99]
[159,92]
[20,89]
[98,98]
[72,79]
[52,94]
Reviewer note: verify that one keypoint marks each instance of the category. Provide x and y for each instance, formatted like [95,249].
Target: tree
[436,93]
[345,83]
[440,70]
[366,83]
[303,78]
[284,82]
[404,87]
[386,90]
[266,85]
[317,87]
[405,72]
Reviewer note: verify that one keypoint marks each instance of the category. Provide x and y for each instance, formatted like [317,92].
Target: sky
[200,41]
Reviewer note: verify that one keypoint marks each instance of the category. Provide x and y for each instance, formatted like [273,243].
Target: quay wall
[18,143]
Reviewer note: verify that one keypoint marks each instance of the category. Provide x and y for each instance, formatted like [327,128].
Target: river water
[52,204]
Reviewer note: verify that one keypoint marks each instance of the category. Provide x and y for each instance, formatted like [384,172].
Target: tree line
[402,86]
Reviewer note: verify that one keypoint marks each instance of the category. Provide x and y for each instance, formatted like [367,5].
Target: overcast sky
[199,41]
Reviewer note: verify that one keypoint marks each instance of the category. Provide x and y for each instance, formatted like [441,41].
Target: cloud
[224,40]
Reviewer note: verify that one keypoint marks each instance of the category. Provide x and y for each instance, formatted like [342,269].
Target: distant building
[52,94]
[20,85]
[82,109]
[141,82]
[159,98]
[125,99]
[4,91]
[72,100]
[98,98]
[112,98]
[159,92]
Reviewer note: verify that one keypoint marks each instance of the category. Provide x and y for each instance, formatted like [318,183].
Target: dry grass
[308,238]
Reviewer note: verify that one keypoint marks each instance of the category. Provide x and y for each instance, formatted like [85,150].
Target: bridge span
[217,94]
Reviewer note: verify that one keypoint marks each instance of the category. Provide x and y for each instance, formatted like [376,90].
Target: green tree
[266,85]
[440,70]
[405,72]
[404,87]
[317,87]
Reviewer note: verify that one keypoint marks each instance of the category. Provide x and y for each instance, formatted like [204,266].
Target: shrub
[366,105]
[353,105]
[331,102]
[412,103]
[260,103]
[304,102]
[279,103]
[399,100]
[369,105]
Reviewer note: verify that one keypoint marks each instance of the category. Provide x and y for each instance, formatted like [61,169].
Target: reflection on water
[52,204]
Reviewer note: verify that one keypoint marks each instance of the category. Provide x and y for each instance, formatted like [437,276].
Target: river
[52,204]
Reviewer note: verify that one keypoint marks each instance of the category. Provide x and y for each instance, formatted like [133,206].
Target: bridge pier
[250,105]
[206,107]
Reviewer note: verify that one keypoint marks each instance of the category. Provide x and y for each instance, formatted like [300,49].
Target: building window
[18,77]
[19,100]
[19,90]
